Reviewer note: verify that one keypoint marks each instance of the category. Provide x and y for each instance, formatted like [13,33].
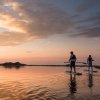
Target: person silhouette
[72,61]
[89,62]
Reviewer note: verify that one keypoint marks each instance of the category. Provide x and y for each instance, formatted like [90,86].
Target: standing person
[72,61]
[89,62]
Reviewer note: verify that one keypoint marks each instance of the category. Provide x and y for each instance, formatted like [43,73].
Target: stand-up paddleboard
[95,71]
[75,73]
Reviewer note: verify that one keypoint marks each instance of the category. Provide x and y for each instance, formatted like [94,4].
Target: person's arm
[69,58]
[87,60]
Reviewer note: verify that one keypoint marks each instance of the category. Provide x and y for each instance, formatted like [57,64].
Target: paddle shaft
[77,62]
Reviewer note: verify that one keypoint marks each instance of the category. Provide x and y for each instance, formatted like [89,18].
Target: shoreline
[97,66]
[12,64]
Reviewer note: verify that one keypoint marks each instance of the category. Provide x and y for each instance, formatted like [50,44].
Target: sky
[45,31]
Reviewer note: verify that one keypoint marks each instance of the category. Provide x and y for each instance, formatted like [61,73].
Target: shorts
[72,64]
[90,64]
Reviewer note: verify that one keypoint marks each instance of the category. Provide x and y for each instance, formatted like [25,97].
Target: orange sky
[41,32]
[48,51]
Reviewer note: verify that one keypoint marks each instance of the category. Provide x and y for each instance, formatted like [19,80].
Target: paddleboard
[92,71]
[75,73]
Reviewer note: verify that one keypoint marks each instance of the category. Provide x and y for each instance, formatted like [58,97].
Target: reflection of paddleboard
[92,71]
[75,73]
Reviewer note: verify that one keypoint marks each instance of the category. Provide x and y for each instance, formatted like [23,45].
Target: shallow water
[46,83]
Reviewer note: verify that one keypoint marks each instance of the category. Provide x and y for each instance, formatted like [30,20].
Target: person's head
[71,52]
[89,55]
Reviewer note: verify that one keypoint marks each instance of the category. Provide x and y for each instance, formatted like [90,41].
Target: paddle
[77,62]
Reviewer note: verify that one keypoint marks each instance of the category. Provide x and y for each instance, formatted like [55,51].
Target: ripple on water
[18,91]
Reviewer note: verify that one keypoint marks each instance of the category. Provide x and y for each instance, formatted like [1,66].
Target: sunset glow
[44,32]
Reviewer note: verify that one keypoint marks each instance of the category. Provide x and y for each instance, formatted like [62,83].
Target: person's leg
[91,67]
[74,67]
[88,68]
[71,67]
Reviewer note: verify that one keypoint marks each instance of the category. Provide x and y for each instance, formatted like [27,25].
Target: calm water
[46,83]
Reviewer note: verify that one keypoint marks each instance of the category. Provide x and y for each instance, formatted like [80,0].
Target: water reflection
[46,83]
[16,67]
[72,85]
[90,81]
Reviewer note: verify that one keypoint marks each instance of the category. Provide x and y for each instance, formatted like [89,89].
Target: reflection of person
[72,84]
[89,61]
[72,61]
[90,82]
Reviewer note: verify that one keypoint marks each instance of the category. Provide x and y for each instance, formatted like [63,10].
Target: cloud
[23,20]
[90,33]
[93,18]
[87,23]
[86,5]
[13,38]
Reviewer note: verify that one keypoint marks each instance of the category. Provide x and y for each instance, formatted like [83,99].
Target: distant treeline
[12,64]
